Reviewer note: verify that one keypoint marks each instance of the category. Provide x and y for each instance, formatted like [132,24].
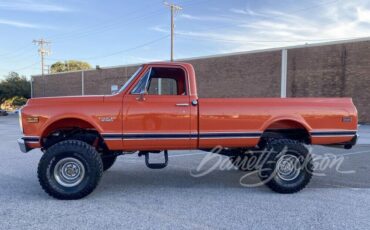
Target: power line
[14,53]
[26,67]
[22,68]
[103,27]
[82,33]
[130,49]
[118,52]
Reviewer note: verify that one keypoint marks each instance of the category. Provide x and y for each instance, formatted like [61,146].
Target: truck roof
[169,63]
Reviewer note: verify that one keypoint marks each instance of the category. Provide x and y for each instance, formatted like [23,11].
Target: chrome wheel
[288,167]
[69,172]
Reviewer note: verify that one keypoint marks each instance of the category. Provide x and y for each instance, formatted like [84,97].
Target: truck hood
[64,100]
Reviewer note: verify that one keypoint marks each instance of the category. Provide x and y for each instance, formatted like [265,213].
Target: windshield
[130,79]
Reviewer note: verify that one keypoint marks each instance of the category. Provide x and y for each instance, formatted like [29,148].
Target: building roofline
[88,70]
[337,42]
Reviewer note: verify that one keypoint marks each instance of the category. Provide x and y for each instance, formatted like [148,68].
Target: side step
[155,165]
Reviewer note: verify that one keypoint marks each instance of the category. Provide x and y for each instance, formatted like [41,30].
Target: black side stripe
[149,136]
[143,136]
[179,135]
[112,136]
[221,135]
[31,139]
[334,133]
[205,135]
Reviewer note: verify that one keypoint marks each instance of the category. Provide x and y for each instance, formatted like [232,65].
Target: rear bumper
[23,146]
[354,140]
[346,145]
[351,143]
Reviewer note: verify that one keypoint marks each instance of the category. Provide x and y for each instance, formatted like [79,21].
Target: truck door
[158,111]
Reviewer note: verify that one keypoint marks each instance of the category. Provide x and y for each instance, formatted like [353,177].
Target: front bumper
[23,146]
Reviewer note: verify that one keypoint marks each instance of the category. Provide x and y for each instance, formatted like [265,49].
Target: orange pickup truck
[158,109]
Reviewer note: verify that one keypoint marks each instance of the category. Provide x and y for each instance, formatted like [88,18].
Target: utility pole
[43,51]
[174,9]
[48,68]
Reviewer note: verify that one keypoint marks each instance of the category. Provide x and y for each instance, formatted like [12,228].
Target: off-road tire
[108,157]
[278,148]
[86,154]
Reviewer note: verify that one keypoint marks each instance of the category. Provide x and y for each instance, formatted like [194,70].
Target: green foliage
[18,101]
[70,65]
[14,85]
[13,103]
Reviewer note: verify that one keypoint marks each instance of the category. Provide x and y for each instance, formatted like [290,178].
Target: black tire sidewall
[293,148]
[75,149]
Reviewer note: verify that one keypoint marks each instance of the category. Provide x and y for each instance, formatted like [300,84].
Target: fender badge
[106,119]
[346,119]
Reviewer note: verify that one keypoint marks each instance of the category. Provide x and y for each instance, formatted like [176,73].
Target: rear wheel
[287,167]
[70,170]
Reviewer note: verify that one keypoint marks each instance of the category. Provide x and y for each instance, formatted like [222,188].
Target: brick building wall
[336,70]
[341,70]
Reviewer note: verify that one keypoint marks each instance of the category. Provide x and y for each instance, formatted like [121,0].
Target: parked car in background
[3,113]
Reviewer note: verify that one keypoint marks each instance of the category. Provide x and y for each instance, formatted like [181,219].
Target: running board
[156,165]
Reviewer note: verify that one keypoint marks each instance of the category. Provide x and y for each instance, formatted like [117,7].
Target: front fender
[44,129]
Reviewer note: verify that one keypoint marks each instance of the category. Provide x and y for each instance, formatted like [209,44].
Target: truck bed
[227,121]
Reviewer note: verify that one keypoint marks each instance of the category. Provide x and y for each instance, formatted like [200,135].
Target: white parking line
[354,153]
[188,154]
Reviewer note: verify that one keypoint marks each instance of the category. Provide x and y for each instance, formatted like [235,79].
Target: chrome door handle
[182,104]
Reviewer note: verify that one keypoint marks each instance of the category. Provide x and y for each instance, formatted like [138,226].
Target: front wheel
[70,169]
[288,166]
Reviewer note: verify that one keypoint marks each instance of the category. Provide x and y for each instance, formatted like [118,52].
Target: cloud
[221,18]
[21,24]
[271,27]
[363,15]
[30,5]
[245,12]
[160,29]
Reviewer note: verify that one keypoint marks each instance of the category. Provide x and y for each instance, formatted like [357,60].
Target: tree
[13,103]
[70,65]
[14,85]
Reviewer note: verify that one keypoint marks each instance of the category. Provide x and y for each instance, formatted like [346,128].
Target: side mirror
[142,95]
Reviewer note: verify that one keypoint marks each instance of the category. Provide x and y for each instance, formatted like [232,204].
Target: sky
[120,32]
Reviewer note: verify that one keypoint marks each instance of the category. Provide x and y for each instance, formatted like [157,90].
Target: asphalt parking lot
[131,196]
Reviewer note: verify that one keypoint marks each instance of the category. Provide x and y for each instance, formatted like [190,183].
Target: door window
[141,85]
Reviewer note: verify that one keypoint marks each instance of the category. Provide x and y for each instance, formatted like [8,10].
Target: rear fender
[296,119]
